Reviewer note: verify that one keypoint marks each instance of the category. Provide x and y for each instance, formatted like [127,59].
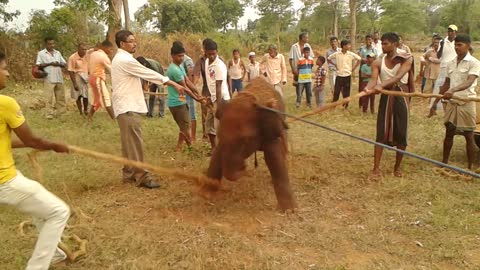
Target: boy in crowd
[365,75]
[253,69]
[177,103]
[50,214]
[332,71]
[343,65]
[304,71]
[319,85]
[236,70]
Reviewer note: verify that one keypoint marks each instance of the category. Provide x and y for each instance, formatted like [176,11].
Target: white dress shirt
[458,74]
[127,92]
[448,53]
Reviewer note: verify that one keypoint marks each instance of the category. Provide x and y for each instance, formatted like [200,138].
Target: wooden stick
[328,106]
[421,95]
[155,94]
[198,179]
[340,102]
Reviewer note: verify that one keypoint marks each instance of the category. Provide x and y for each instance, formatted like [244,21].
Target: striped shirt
[305,67]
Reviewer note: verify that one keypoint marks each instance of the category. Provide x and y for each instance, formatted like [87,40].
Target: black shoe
[150,184]
[147,181]
[149,115]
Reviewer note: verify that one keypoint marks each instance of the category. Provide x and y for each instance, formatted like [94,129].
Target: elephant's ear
[271,124]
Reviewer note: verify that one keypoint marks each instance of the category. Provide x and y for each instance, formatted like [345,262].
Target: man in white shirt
[216,73]
[52,62]
[377,43]
[343,65]
[129,103]
[332,72]
[461,80]
[446,53]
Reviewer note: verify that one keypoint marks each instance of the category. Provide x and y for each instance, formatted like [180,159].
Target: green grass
[344,221]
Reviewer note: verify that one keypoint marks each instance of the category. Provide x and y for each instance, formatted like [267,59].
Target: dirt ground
[420,221]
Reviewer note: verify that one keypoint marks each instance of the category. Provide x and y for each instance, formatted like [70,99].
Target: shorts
[99,96]
[191,108]
[237,85]
[211,123]
[181,116]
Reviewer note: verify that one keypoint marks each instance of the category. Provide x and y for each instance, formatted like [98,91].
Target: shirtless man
[392,69]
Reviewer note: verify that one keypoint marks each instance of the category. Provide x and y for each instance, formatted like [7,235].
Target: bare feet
[398,173]
[375,175]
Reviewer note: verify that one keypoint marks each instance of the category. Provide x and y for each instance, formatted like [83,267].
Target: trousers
[50,215]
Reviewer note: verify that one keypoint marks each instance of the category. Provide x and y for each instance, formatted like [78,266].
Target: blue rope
[435,162]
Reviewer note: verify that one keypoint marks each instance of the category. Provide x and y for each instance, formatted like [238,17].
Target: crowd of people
[385,63]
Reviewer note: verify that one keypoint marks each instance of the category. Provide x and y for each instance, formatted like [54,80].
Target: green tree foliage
[169,16]
[276,17]
[65,25]
[403,16]
[4,15]
[463,13]
[225,12]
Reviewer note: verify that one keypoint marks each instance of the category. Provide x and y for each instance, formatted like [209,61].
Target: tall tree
[353,23]
[169,16]
[126,12]
[225,12]
[114,19]
[276,16]
[395,12]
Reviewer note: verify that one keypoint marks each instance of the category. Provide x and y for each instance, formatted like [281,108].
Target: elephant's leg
[276,162]
[214,171]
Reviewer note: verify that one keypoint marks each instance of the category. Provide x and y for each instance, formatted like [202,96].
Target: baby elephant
[245,128]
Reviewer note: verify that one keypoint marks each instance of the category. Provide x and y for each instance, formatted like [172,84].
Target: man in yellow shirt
[50,214]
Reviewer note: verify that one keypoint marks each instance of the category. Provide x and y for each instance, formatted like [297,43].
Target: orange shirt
[77,63]
[98,63]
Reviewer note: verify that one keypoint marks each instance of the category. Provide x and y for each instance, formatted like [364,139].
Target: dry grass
[344,221]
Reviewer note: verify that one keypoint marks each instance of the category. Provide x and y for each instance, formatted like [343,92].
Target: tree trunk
[335,18]
[353,23]
[115,19]
[126,11]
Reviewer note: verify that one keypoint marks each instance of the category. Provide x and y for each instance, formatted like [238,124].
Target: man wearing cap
[273,67]
[461,80]
[446,53]
[253,67]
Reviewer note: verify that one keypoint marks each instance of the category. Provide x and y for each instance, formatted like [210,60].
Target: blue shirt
[176,74]
[367,70]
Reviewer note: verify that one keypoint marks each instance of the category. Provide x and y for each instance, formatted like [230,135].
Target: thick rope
[196,178]
[435,162]
[340,102]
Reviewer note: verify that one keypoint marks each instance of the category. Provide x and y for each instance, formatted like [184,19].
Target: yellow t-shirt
[10,117]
